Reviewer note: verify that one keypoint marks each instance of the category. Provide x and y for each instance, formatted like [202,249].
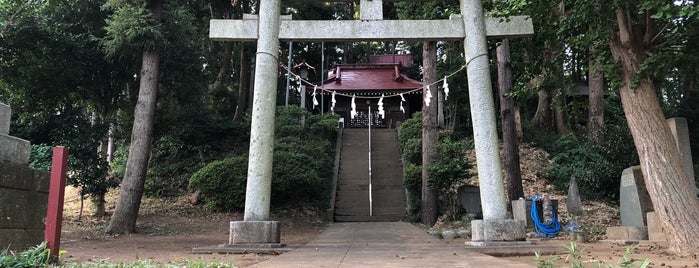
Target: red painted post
[54,211]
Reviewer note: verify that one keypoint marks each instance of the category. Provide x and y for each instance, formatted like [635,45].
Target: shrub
[222,183]
[449,165]
[301,168]
[302,164]
[41,156]
[412,180]
[410,128]
[596,167]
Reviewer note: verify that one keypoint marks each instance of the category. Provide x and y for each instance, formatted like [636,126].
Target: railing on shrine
[363,120]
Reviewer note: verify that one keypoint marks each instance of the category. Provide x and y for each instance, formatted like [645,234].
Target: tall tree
[243,84]
[595,85]
[510,143]
[126,212]
[644,28]
[430,197]
[79,88]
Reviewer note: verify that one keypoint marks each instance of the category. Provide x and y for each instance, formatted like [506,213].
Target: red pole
[54,211]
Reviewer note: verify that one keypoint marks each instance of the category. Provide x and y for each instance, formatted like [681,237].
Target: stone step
[374,187]
[364,211]
[388,193]
[375,218]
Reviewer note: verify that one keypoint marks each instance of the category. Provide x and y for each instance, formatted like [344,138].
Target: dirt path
[168,229]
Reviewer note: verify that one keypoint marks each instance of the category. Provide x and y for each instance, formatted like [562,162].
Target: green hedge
[222,183]
[302,165]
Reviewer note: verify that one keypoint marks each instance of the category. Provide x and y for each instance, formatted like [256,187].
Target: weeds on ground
[40,256]
[150,264]
[33,257]
[574,259]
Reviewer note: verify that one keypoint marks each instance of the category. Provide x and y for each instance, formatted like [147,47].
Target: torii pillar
[256,230]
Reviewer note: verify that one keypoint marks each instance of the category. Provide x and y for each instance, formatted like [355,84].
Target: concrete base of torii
[249,237]
[257,234]
[498,230]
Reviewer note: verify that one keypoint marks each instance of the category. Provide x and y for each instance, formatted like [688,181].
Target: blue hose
[545,229]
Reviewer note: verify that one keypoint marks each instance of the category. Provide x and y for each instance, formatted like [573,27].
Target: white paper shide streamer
[332,108]
[381,111]
[353,113]
[445,86]
[315,100]
[298,83]
[402,99]
[428,97]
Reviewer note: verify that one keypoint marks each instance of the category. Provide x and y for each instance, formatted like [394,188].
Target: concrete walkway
[381,244]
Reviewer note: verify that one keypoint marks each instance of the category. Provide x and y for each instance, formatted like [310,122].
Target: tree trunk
[430,197]
[242,84]
[561,120]
[674,200]
[98,200]
[543,117]
[518,121]
[124,218]
[224,71]
[595,120]
[126,212]
[510,147]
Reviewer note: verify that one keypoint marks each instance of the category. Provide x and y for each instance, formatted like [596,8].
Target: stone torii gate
[256,229]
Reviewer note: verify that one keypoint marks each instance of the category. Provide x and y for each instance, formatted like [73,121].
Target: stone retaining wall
[23,200]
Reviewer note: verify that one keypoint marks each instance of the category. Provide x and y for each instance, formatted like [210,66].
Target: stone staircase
[388,193]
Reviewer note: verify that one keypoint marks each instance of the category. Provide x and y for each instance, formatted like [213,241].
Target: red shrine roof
[370,77]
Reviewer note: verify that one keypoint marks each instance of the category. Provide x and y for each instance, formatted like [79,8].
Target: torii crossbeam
[256,229]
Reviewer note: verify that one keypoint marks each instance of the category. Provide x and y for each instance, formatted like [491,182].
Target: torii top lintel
[370,27]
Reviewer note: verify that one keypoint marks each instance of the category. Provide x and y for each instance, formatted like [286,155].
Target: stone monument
[680,131]
[573,202]
[634,203]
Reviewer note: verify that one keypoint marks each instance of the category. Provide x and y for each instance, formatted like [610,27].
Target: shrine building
[383,74]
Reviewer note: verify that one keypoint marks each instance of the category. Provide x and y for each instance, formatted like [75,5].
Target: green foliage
[412,177]
[596,167]
[41,156]
[117,168]
[449,165]
[131,27]
[33,257]
[301,168]
[543,262]
[221,183]
[575,260]
[411,128]
[626,262]
[302,164]
[412,180]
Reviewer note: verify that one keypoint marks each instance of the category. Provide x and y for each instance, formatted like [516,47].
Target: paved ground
[381,244]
